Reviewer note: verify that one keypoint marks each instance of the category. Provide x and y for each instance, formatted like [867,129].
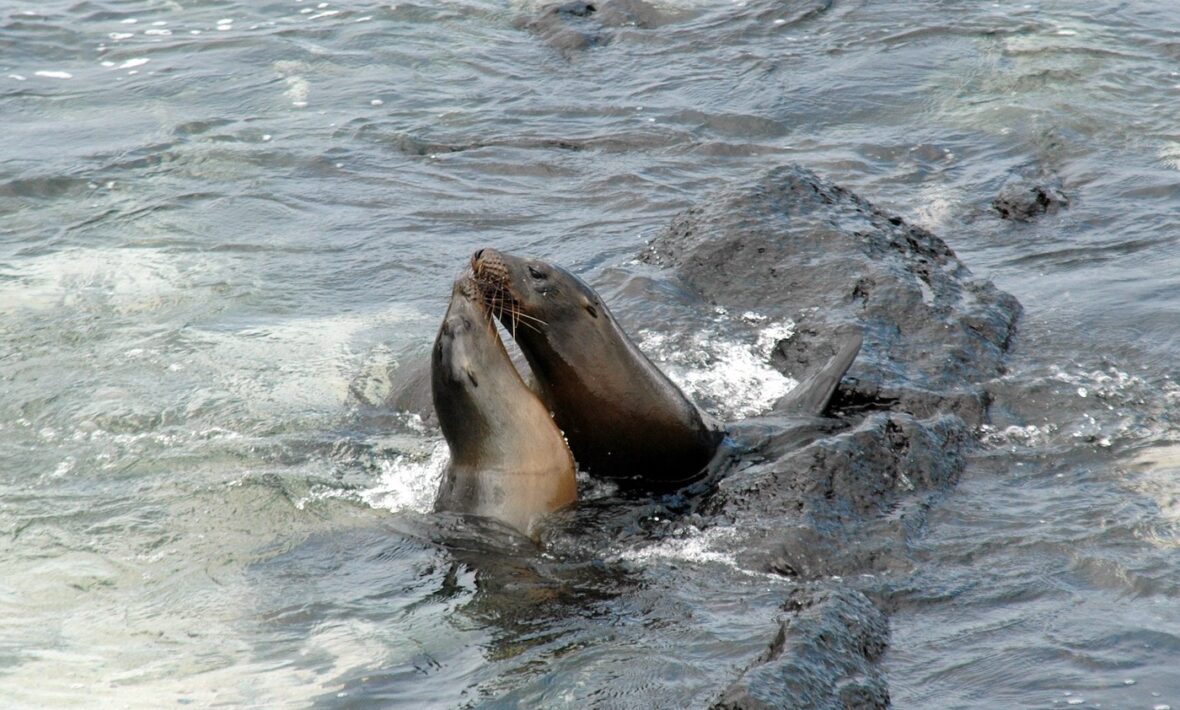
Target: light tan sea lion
[508,458]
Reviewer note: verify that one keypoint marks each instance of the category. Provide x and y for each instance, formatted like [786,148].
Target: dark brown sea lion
[508,459]
[622,417]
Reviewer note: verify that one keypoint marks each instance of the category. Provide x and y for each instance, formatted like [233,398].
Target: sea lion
[508,459]
[622,417]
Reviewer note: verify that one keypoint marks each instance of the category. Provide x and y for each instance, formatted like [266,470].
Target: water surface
[225,222]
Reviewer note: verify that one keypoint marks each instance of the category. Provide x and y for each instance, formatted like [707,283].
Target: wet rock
[824,656]
[844,504]
[792,245]
[850,476]
[1028,194]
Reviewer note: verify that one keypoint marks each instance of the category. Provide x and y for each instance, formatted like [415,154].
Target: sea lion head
[622,416]
[470,370]
[545,307]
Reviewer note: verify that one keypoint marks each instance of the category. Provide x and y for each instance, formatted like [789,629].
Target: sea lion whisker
[507,309]
[492,302]
[522,319]
[532,318]
[526,320]
[489,318]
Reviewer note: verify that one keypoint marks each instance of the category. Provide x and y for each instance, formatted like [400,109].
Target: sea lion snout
[465,287]
[490,267]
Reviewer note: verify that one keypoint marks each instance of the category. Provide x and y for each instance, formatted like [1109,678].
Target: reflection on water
[222,223]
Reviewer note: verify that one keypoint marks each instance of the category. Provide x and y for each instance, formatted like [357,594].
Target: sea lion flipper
[814,393]
[411,391]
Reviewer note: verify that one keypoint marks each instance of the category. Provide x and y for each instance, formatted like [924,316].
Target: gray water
[224,223]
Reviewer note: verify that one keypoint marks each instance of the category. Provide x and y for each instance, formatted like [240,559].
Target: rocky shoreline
[837,514]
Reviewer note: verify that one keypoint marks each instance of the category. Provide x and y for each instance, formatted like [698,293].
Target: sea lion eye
[591,310]
[536,273]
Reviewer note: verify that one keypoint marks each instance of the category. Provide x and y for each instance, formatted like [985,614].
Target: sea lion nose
[478,253]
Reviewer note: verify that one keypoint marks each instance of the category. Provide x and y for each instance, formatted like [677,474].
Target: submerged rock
[577,25]
[824,656]
[1028,194]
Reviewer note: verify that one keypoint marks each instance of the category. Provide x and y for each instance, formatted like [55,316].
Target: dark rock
[558,26]
[824,656]
[843,504]
[791,244]
[1028,194]
[849,476]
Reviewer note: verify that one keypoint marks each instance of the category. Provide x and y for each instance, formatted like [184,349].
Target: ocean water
[225,223]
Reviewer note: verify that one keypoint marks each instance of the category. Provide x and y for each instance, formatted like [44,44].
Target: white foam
[320,492]
[409,482]
[1101,383]
[1157,475]
[732,379]
[117,650]
[934,209]
[136,62]
[53,74]
[1013,435]
[299,364]
[124,280]
[772,334]
[696,547]
[298,90]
